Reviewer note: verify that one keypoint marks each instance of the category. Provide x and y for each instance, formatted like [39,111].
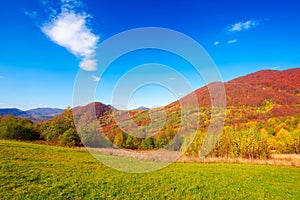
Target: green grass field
[32,171]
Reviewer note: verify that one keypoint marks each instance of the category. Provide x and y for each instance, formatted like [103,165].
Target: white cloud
[243,26]
[70,30]
[88,64]
[231,41]
[216,43]
[171,78]
[96,78]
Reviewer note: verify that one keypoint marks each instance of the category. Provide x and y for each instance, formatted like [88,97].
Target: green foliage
[61,129]
[70,138]
[91,136]
[148,143]
[161,141]
[17,128]
[131,142]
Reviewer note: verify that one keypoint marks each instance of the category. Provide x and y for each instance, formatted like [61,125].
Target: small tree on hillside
[148,143]
[119,139]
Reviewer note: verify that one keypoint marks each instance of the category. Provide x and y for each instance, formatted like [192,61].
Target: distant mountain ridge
[37,114]
[141,108]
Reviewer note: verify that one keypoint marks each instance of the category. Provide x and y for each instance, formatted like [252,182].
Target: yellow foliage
[282,134]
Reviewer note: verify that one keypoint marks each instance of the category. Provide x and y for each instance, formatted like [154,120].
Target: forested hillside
[262,118]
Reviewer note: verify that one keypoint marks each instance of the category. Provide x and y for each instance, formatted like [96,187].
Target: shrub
[17,128]
[70,138]
[148,143]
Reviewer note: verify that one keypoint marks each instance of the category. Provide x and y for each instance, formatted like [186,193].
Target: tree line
[254,139]
[59,130]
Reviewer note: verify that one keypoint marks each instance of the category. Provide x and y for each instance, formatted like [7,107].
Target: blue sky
[44,43]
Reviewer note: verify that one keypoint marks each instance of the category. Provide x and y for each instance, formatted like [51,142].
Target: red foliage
[280,87]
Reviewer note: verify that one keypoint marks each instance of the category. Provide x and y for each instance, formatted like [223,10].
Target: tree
[169,132]
[282,139]
[161,141]
[91,136]
[148,143]
[17,128]
[61,129]
[295,141]
[119,139]
[131,142]
[70,138]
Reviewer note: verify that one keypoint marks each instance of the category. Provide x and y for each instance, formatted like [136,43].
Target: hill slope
[254,98]
[280,87]
[259,107]
[257,96]
[31,171]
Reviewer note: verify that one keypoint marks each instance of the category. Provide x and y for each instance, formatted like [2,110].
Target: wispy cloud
[172,78]
[216,43]
[231,41]
[32,14]
[96,78]
[70,29]
[276,67]
[243,26]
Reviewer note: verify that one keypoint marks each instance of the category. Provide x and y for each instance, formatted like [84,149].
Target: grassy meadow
[33,171]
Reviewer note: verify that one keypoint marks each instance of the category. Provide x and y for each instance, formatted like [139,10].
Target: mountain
[141,108]
[44,111]
[262,117]
[37,114]
[261,105]
[96,107]
[256,97]
[279,87]
[12,111]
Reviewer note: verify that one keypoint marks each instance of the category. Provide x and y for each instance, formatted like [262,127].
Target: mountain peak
[141,108]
